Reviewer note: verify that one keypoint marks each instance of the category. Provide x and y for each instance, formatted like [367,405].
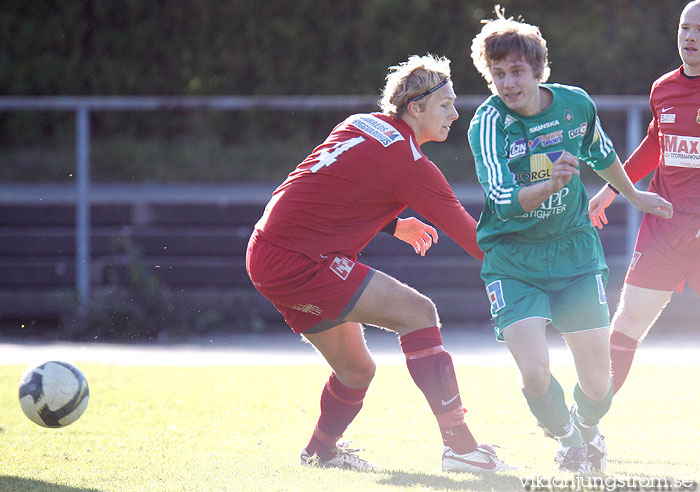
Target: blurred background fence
[149,260]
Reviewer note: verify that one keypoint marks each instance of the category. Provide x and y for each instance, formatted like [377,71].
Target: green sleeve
[489,145]
[597,149]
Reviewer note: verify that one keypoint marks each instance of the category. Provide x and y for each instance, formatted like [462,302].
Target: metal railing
[82,106]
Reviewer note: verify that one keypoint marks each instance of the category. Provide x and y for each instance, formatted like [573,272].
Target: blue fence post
[82,207]
[634,132]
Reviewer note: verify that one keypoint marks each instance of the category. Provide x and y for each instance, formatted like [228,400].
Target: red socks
[622,349]
[431,368]
[339,406]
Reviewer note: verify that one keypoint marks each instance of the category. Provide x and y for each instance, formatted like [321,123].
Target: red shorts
[665,256]
[312,296]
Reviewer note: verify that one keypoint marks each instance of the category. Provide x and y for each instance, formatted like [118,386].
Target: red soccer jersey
[364,174]
[672,146]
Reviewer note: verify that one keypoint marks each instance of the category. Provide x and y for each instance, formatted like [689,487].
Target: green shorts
[562,281]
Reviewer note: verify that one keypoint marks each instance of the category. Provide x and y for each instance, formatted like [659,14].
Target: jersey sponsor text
[578,131]
[518,148]
[552,138]
[544,126]
[540,167]
[554,205]
[379,130]
[682,151]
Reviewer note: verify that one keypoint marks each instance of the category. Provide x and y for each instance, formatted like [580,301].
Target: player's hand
[697,236]
[652,203]
[598,204]
[563,169]
[414,232]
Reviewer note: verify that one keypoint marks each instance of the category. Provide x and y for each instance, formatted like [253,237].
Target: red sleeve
[647,155]
[424,188]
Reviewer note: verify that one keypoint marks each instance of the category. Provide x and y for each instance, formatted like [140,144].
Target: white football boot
[573,459]
[597,453]
[482,459]
[345,458]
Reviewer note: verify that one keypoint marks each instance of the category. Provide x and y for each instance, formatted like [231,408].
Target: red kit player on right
[667,252]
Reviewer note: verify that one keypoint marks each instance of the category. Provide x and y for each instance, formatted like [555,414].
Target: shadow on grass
[454,481]
[21,484]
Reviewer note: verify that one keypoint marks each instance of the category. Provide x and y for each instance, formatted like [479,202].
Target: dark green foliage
[108,47]
[248,47]
[140,308]
[131,308]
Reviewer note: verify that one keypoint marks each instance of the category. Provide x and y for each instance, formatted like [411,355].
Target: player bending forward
[544,262]
[302,256]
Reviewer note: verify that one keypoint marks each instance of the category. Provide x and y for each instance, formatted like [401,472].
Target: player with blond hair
[543,260]
[303,256]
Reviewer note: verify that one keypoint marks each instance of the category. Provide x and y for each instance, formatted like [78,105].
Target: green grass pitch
[241,428]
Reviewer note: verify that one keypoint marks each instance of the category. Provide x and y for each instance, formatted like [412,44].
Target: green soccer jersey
[512,151]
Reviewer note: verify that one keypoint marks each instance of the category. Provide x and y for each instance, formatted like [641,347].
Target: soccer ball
[54,394]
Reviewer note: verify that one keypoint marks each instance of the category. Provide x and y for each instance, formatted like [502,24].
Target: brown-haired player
[543,259]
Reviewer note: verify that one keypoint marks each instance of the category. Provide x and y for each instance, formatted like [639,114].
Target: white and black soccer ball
[54,394]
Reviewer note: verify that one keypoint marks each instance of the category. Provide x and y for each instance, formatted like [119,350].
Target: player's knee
[536,379]
[597,390]
[631,324]
[599,393]
[424,311]
[635,319]
[358,375]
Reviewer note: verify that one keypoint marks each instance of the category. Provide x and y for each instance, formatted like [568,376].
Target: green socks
[589,412]
[550,410]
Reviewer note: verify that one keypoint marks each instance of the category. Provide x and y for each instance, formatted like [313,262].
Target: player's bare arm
[598,204]
[419,235]
[644,201]
[563,169]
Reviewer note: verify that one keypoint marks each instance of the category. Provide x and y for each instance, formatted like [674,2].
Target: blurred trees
[253,47]
[215,47]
